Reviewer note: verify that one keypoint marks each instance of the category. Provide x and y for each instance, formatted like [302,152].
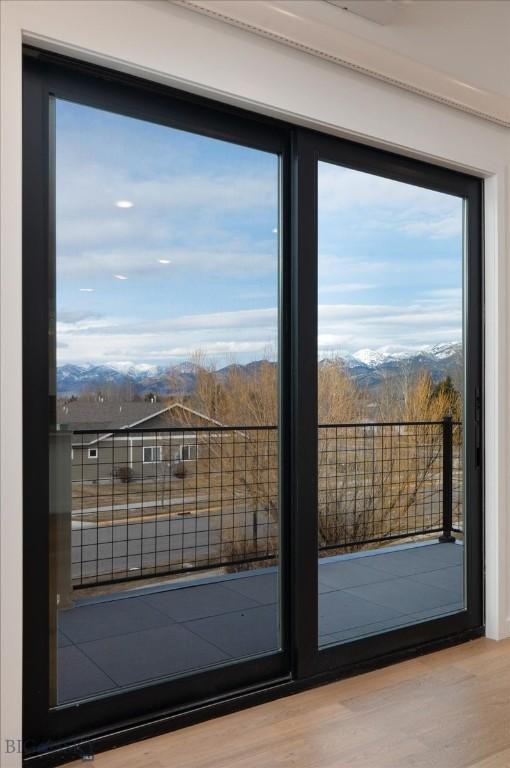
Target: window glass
[166,304]
[391,404]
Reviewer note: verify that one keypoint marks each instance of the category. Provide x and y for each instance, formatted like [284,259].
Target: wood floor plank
[450,709]
[498,760]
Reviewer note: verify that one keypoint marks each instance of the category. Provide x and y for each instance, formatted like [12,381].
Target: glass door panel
[164,446]
[390,404]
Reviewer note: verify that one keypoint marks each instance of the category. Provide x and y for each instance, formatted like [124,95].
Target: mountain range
[367,367]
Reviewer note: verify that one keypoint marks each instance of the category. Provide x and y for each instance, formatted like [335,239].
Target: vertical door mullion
[284,396]
[304,405]
[473,424]
[37,242]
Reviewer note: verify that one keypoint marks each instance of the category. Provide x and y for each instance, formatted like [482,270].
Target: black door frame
[53,735]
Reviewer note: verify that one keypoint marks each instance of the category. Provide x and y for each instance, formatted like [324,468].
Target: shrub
[124,474]
[252,555]
[180,470]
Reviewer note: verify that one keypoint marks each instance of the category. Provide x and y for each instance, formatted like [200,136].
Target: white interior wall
[155,39]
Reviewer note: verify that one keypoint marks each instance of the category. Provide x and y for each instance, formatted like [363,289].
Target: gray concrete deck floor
[141,636]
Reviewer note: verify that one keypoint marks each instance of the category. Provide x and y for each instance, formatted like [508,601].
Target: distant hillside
[367,367]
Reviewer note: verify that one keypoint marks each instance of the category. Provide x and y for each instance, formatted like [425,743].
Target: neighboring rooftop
[107,415]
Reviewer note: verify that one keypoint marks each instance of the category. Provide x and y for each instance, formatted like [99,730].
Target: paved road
[111,551]
[79,514]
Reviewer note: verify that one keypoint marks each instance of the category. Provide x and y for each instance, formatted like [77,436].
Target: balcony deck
[143,635]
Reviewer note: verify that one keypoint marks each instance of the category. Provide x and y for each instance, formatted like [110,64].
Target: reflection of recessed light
[86,290]
[120,277]
[275,231]
[124,204]
[164,261]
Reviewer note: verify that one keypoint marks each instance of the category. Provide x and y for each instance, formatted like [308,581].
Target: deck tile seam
[172,676]
[210,615]
[98,666]
[232,656]
[369,602]
[237,592]
[409,575]
[205,640]
[348,590]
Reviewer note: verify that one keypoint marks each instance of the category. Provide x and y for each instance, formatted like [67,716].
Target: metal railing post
[255,528]
[447,537]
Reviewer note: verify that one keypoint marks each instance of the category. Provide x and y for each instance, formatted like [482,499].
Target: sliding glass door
[157,346]
[252,406]
[164,446]
[396,424]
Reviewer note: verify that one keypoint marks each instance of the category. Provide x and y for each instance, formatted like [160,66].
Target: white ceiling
[468,39]
[379,11]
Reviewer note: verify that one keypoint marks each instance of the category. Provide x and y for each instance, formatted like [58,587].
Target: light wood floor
[450,709]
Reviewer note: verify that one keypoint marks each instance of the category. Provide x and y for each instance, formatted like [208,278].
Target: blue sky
[390,263]
[390,255]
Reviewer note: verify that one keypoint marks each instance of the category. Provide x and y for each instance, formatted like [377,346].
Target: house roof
[106,416]
[83,414]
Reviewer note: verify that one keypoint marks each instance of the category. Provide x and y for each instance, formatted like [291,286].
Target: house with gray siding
[130,440]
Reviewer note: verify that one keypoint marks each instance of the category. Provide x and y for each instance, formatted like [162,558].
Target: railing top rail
[387,424]
[129,430]
[250,428]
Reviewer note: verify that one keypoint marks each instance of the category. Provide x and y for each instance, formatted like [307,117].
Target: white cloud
[246,320]
[183,204]
[428,320]
[454,294]
[98,188]
[376,203]
[133,260]
[86,324]
[449,226]
[247,333]
[207,220]
[222,349]
[345,287]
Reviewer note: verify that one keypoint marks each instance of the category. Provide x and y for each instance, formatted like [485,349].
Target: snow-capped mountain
[368,367]
[134,369]
[374,358]
[369,357]
[74,379]
[443,351]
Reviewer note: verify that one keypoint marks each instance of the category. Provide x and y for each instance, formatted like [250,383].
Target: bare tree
[378,481]
[375,482]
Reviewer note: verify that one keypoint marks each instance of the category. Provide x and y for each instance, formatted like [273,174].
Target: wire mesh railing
[385,481]
[150,502]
